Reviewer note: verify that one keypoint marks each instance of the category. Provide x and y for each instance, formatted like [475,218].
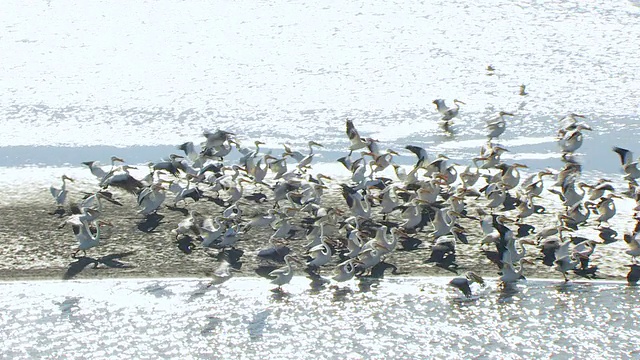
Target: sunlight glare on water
[394,318]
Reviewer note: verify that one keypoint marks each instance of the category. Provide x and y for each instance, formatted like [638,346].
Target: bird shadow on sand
[257,197]
[608,235]
[181,210]
[110,261]
[150,223]
[59,211]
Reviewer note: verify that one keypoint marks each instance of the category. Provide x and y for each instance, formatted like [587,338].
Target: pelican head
[456,101]
[65,177]
[503,113]
[115,158]
[315,143]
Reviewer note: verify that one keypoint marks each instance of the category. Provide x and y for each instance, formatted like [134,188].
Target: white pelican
[510,275]
[629,166]
[510,176]
[221,274]
[558,228]
[412,215]
[306,161]
[597,191]
[151,198]
[633,242]
[496,195]
[190,151]
[420,153]
[575,214]
[464,283]
[345,271]
[512,255]
[189,224]
[86,239]
[606,208]
[382,161]
[448,113]
[569,123]
[388,202]
[283,228]
[468,177]
[491,157]
[210,233]
[261,221]
[119,177]
[60,195]
[570,196]
[523,90]
[526,207]
[356,141]
[369,257]
[216,139]
[572,140]
[320,254]
[96,170]
[358,204]
[354,243]
[443,222]
[532,186]
[182,193]
[385,245]
[565,260]
[284,274]
[496,127]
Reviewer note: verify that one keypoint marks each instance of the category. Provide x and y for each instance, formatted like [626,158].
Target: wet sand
[35,248]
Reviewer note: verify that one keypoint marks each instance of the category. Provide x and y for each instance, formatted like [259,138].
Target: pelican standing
[496,127]
[60,195]
[284,274]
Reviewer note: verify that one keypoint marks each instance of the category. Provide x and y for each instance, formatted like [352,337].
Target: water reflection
[412,317]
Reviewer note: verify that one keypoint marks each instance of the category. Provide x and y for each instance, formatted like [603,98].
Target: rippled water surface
[158,73]
[395,318]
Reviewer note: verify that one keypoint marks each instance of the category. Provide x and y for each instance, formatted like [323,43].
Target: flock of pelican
[425,203]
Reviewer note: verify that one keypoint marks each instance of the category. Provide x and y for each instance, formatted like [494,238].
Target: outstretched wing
[420,153]
[352,133]
[626,156]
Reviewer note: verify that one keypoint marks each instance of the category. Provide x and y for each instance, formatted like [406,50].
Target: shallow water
[156,74]
[394,318]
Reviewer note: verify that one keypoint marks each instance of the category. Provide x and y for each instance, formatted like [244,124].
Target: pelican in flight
[357,142]
[464,283]
[448,113]
[60,195]
[221,274]
[629,166]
